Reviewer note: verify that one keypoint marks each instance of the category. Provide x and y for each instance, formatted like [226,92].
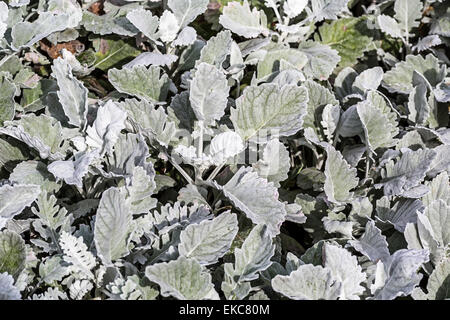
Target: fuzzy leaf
[340,177]
[274,110]
[241,20]
[144,83]
[112,226]
[210,239]
[257,198]
[184,279]
[308,282]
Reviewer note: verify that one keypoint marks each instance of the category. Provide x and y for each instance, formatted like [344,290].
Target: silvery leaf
[72,94]
[284,110]
[73,171]
[344,267]
[372,243]
[401,274]
[15,198]
[210,239]
[208,93]
[186,37]
[144,83]
[7,289]
[187,10]
[152,58]
[104,132]
[145,22]
[225,146]
[241,20]
[322,60]
[112,226]
[327,9]
[216,49]
[168,27]
[254,255]
[340,177]
[184,279]
[257,198]
[275,162]
[308,282]
[407,172]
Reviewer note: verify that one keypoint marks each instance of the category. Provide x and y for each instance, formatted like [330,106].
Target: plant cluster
[217,149]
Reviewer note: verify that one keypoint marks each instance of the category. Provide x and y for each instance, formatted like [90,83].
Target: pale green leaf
[12,253]
[144,83]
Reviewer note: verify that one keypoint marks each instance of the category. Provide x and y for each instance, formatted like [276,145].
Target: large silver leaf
[184,279]
[270,110]
[208,93]
[438,213]
[73,171]
[438,286]
[438,189]
[104,132]
[322,60]
[275,163]
[327,9]
[319,97]
[72,94]
[344,267]
[372,243]
[141,189]
[187,10]
[145,22]
[257,198]
[153,121]
[216,49]
[112,226]
[144,83]
[407,172]
[42,133]
[308,282]
[210,239]
[379,132]
[254,255]
[401,274]
[15,198]
[400,78]
[241,20]
[34,172]
[408,13]
[340,178]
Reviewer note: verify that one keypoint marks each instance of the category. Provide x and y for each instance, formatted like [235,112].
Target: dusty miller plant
[196,149]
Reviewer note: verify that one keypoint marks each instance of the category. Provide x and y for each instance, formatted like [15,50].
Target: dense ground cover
[197,149]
